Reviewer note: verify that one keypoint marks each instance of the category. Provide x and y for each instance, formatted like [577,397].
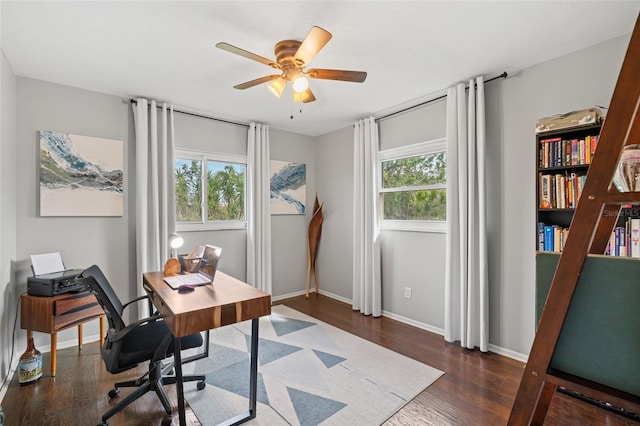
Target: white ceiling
[410,49]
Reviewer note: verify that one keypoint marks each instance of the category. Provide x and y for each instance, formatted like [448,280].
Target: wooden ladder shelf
[593,222]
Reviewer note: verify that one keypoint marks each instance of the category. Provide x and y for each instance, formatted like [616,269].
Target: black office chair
[126,345]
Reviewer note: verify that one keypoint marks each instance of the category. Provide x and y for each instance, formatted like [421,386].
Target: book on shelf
[548,238]
[559,180]
[634,236]
[558,152]
[560,191]
[541,236]
[551,237]
[545,191]
[625,239]
[594,144]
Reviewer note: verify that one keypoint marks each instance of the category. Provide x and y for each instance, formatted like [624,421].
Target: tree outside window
[413,187]
[221,200]
[416,188]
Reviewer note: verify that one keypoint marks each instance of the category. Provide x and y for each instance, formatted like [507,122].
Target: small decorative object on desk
[172,267]
[30,364]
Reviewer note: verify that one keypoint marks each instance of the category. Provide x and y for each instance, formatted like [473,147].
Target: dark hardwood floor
[476,389]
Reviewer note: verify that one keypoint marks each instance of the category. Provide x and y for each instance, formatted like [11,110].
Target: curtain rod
[503,75]
[133,101]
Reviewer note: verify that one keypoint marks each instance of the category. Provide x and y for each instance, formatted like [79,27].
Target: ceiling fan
[292,57]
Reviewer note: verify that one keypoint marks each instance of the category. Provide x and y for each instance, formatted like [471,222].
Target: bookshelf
[563,159]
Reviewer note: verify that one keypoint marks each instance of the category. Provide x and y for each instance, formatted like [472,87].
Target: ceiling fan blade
[306,96]
[343,75]
[257,81]
[311,45]
[233,49]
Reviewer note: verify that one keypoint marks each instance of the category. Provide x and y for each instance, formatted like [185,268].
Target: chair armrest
[146,296]
[163,348]
[122,333]
[135,300]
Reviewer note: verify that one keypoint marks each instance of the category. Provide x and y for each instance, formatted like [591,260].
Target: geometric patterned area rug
[309,373]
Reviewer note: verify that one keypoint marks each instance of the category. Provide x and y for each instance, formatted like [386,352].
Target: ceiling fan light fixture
[300,84]
[292,56]
[277,86]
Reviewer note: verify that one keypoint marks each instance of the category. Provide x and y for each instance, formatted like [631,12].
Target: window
[413,188]
[210,191]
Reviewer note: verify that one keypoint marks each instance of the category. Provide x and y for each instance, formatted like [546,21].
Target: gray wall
[108,241]
[289,244]
[8,291]
[575,81]
[334,173]
[82,241]
[409,259]
[289,232]
[402,251]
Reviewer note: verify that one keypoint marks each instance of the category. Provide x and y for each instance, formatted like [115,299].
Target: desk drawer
[50,314]
[74,309]
[74,302]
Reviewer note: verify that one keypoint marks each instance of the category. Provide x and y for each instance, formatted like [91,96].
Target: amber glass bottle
[30,364]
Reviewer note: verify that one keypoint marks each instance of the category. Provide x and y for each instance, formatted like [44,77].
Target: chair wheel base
[167,421]
[200,385]
[114,392]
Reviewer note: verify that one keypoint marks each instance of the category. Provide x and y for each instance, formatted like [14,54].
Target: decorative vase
[30,364]
[315,231]
[627,176]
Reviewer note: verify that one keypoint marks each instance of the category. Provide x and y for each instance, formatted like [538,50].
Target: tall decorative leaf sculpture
[315,230]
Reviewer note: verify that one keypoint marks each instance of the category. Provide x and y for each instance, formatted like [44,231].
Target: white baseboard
[287,296]
[492,348]
[509,353]
[300,293]
[414,323]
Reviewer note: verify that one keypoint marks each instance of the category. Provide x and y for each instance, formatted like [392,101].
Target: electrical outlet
[407,292]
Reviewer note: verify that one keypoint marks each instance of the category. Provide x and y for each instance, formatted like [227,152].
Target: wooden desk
[57,313]
[226,302]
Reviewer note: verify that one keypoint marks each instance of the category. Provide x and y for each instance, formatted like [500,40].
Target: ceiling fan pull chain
[292,102]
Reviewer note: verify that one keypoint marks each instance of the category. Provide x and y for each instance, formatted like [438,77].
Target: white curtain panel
[155,195]
[367,286]
[258,213]
[466,282]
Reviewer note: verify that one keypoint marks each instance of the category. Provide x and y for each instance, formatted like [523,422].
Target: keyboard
[190,279]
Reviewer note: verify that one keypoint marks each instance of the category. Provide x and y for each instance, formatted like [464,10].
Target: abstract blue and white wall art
[288,187]
[80,175]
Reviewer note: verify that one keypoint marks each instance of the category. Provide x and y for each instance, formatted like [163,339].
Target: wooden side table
[56,313]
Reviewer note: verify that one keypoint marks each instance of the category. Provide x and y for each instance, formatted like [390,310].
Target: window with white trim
[413,187]
[209,190]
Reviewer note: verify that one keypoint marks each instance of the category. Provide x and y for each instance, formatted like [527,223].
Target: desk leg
[253,381]
[80,337]
[253,378]
[177,359]
[54,357]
